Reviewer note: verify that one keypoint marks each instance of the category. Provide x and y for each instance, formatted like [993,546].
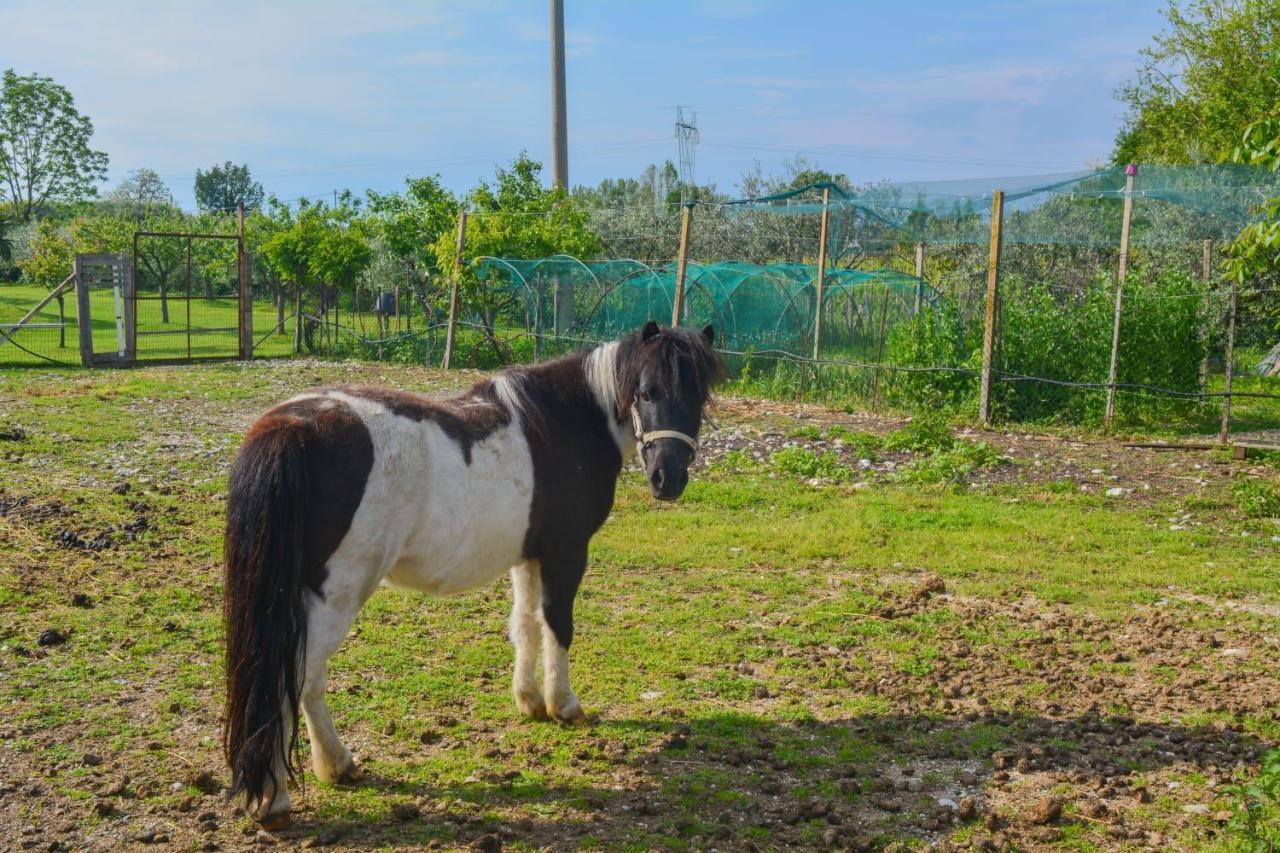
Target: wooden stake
[989,321]
[1229,367]
[297,320]
[822,271]
[1109,414]
[453,291]
[1206,275]
[919,278]
[682,265]
[244,292]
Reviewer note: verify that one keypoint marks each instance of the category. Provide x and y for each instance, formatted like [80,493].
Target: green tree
[51,260]
[408,226]
[1213,72]
[138,194]
[222,188]
[44,145]
[515,217]
[1254,256]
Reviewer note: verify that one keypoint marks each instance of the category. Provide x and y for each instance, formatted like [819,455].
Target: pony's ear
[650,329]
[709,334]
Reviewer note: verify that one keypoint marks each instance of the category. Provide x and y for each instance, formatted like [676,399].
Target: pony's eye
[643,396]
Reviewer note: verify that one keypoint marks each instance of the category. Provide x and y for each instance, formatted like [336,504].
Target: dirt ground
[1027,724]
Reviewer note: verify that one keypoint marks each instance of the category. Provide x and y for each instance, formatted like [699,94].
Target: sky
[324,95]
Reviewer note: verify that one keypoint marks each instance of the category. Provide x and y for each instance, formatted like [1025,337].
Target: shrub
[1257,498]
[952,466]
[1256,823]
[806,463]
[926,433]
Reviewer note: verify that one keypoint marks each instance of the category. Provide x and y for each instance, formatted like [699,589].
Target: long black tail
[264,607]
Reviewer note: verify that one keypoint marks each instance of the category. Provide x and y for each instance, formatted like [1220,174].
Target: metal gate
[188,297]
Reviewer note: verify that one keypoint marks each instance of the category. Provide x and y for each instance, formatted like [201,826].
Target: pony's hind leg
[526,630]
[328,621]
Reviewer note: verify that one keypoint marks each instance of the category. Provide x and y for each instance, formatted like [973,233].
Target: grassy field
[850,633]
[212,321]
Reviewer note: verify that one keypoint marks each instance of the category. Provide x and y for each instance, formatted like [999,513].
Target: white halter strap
[644,439]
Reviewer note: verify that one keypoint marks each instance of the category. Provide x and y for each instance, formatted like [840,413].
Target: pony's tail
[264,606]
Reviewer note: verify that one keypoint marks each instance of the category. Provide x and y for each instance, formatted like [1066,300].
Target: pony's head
[665,377]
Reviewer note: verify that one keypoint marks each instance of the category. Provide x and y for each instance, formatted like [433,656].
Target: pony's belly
[456,567]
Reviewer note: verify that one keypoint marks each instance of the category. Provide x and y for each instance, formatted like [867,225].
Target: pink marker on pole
[1131,170]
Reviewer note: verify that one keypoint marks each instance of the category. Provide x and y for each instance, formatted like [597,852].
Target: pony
[344,489]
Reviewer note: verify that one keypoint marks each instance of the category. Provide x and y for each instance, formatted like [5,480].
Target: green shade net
[751,306]
[1172,204]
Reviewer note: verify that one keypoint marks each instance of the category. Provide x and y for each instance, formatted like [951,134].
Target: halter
[644,439]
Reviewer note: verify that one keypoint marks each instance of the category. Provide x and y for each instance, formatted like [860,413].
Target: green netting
[752,306]
[1172,204]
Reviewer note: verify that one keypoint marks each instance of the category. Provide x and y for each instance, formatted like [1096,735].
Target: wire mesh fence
[889,310]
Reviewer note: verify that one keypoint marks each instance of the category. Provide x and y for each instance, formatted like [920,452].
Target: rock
[205,782]
[264,838]
[968,808]
[405,812]
[487,844]
[91,760]
[1196,808]
[51,637]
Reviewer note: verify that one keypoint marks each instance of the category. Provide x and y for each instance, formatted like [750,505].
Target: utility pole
[559,122]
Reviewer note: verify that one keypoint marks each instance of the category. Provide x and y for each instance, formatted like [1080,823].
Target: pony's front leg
[526,630]
[560,578]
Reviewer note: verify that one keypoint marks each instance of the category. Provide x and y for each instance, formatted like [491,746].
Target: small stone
[405,812]
[487,844]
[51,637]
[1045,811]
[264,838]
[91,760]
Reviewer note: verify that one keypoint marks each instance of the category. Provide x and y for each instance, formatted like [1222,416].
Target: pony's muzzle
[668,474]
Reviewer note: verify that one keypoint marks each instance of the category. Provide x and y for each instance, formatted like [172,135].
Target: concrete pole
[559,121]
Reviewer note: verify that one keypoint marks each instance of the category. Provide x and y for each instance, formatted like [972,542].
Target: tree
[1215,71]
[222,188]
[516,217]
[51,260]
[139,193]
[409,225]
[1254,256]
[44,145]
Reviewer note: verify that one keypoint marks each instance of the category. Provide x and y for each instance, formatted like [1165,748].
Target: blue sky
[322,95]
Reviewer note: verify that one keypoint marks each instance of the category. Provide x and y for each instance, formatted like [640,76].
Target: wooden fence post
[297,320]
[989,322]
[453,291]
[1206,275]
[245,292]
[822,271]
[682,265]
[919,279]
[1129,172]
[1229,367]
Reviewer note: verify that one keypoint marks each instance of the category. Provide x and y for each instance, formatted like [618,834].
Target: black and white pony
[342,489]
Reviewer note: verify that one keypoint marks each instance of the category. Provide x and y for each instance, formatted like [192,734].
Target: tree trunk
[279,308]
[62,323]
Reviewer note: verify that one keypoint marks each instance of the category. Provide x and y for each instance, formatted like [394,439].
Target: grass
[756,646]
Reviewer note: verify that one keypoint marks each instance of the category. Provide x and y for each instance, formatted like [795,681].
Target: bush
[927,433]
[1257,498]
[952,466]
[806,463]
[1064,336]
[1256,823]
